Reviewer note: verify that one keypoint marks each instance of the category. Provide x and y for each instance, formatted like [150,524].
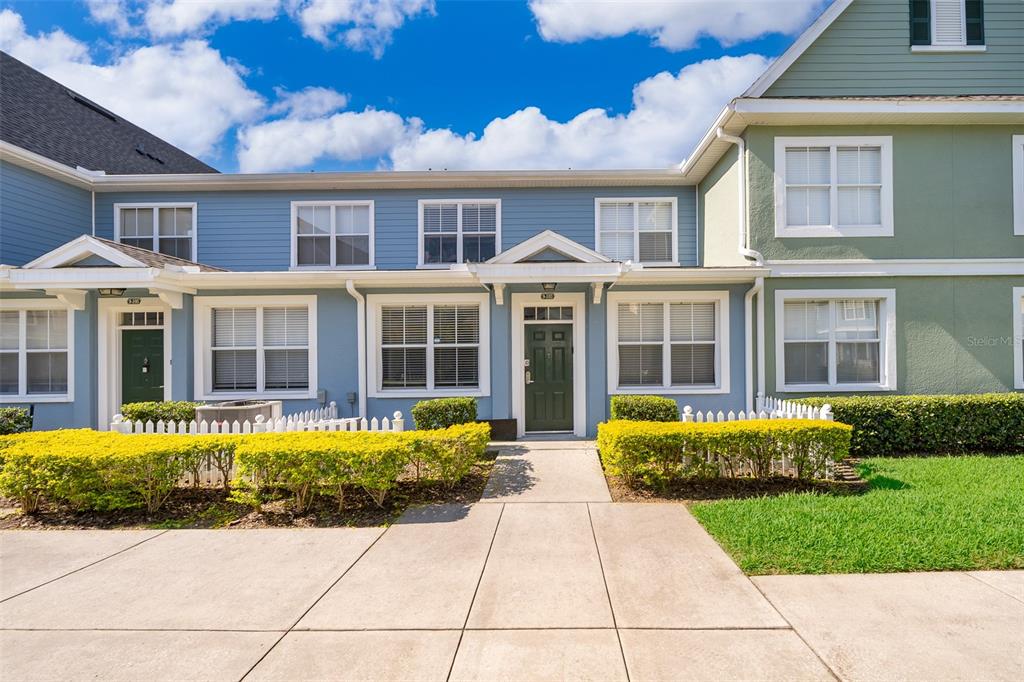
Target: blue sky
[410,83]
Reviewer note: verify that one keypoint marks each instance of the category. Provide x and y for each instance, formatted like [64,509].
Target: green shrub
[171,410]
[447,455]
[645,408]
[441,413]
[14,420]
[923,424]
[657,453]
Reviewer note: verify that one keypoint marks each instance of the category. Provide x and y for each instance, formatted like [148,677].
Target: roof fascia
[79,248]
[46,166]
[548,240]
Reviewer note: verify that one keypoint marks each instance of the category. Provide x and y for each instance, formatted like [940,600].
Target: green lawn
[929,513]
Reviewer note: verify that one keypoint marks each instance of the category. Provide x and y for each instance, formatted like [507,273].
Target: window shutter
[920,22]
[949,22]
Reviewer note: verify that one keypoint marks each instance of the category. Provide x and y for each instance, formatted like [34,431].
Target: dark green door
[142,365]
[549,377]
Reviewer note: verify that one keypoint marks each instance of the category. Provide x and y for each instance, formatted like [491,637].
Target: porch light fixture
[548,286]
[111,292]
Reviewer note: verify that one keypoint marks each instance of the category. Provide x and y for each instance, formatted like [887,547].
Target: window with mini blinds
[333,234]
[431,346]
[459,231]
[642,231]
[832,342]
[33,353]
[667,344]
[260,348]
[169,230]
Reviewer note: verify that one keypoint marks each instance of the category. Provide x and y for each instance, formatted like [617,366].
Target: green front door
[548,377]
[142,365]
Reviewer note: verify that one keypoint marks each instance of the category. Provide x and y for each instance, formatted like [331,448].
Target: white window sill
[829,231]
[37,398]
[436,266]
[658,264]
[838,388]
[218,396]
[672,390]
[948,48]
[421,393]
[330,268]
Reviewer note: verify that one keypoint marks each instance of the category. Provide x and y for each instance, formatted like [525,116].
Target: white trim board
[156,205]
[544,241]
[898,267]
[722,343]
[1018,337]
[887,339]
[108,356]
[79,248]
[1017,146]
[578,302]
[41,304]
[373,344]
[295,205]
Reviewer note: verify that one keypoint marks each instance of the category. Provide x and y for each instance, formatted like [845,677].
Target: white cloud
[171,18]
[115,13]
[672,25]
[670,112]
[187,93]
[310,102]
[359,24]
[290,144]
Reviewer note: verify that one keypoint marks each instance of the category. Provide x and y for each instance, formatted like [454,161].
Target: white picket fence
[768,408]
[261,425]
[330,411]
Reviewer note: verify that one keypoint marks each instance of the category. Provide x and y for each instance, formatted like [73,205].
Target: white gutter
[744,231]
[748,340]
[360,342]
[93,193]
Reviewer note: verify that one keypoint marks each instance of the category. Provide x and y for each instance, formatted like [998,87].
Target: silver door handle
[529,377]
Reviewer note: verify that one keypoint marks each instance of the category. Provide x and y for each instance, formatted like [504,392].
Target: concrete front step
[547,471]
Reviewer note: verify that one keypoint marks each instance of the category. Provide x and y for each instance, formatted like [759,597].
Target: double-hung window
[668,342]
[638,230]
[429,344]
[459,231]
[169,229]
[833,187]
[835,340]
[255,346]
[335,234]
[1017,177]
[947,25]
[35,352]
[1018,337]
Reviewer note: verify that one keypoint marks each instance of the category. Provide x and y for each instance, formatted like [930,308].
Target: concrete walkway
[545,579]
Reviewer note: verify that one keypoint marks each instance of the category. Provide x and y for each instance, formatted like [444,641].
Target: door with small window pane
[548,377]
[142,365]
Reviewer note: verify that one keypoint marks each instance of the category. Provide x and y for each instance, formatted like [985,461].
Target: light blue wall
[38,214]
[251,231]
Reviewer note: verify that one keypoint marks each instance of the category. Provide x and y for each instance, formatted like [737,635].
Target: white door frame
[578,302]
[108,352]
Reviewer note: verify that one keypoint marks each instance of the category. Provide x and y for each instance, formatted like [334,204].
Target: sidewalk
[544,579]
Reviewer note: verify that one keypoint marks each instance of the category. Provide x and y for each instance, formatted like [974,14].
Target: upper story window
[35,352]
[833,187]
[332,234]
[664,342]
[1018,184]
[459,231]
[947,25]
[638,230]
[169,229]
[835,340]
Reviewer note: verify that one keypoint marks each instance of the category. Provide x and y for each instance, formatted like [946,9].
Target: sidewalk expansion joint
[607,592]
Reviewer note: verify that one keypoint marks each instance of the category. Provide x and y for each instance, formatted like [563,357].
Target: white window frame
[636,201]
[886,347]
[204,306]
[1018,185]
[156,222]
[373,335]
[722,347]
[459,260]
[333,235]
[22,396]
[833,229]
[1018,337]
[948,47]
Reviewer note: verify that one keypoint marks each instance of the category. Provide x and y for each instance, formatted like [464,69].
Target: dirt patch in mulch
[210,508]
[847,483]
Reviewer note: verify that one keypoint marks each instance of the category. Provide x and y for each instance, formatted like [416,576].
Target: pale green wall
[952,194]
[717,214]
[953,334]
[866,51]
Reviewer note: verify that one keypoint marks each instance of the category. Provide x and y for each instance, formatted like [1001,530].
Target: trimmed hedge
[645,408]
[14,420]
[176,410]
[657,453]
[930,424]
[441,413]
[88,469]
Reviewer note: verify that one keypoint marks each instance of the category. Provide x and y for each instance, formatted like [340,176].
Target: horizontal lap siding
[250,230]
[38,214]
[866,51]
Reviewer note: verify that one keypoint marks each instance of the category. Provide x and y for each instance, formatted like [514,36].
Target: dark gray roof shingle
[153,259]
[39,114]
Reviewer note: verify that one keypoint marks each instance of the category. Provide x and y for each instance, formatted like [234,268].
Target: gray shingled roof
[39,114]
[153,259]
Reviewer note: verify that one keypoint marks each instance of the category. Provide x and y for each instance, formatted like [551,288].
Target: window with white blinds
[459,231]
[164,228]
[258,346]
[947,24]
[332,234]
[34,354]
[1018,337]
[1017,177]
[638,230]
[430,346]
[834,342]
[667,344]
[833,187]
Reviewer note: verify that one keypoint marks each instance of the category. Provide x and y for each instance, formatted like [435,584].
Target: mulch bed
[209,508]
[847,483]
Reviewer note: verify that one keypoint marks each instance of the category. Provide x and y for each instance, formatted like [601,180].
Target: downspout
[350,287]
[93,192]
[748,340]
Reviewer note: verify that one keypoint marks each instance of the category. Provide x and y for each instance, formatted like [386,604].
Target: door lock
[529,377]
[145,365]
